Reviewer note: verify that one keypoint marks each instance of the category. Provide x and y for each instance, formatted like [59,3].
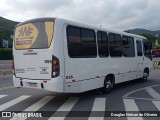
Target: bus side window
[139,48]
[115,45]
[147,47]
[81,42]
[128,46]
[88,43]
[73,41]
[102,44]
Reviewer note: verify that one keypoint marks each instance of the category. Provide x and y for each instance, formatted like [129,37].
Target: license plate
[32,84]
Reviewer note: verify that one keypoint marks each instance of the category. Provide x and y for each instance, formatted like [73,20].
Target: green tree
[151,38]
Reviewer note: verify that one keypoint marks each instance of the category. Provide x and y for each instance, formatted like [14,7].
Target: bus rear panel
[35,64]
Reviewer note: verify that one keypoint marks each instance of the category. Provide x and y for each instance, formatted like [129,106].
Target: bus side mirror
[148,52]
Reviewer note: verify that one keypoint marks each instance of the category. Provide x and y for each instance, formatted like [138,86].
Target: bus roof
[64,21]
[100,28]
[35,20]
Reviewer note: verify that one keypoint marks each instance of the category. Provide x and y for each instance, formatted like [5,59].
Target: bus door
[140,59]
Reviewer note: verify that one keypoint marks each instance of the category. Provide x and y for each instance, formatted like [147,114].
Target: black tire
[145,76]
[108,85]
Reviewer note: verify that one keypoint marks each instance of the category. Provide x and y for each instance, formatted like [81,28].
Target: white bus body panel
[89,73]
[31,66]
[55,84]
[92,72]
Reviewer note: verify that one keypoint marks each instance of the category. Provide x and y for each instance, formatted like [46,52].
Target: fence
[5,69]
[156,64]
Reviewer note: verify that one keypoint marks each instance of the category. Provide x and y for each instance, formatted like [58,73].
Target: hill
[6,29]
[7,25]
[140,31]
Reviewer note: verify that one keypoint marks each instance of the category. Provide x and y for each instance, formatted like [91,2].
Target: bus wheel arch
[147,70]
[109,81]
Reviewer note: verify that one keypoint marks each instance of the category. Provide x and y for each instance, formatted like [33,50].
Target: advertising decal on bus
[31,35]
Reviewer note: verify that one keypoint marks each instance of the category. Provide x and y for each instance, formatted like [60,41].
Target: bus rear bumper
[55,84]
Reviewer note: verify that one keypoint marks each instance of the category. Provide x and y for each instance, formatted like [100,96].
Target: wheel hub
[145,76]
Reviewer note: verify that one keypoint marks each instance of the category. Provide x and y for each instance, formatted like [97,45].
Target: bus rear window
[36,35]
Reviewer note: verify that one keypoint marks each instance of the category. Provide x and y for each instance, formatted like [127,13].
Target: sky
[115,14]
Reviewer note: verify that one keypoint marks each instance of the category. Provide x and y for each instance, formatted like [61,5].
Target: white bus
[68,57]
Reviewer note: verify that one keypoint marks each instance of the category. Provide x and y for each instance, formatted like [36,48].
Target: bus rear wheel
[108,85]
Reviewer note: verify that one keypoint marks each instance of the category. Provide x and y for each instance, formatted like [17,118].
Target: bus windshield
[34,35]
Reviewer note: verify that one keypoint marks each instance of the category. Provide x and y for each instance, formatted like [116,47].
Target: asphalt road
[133,96]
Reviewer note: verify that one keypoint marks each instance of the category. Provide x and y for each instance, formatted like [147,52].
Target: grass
[5,49]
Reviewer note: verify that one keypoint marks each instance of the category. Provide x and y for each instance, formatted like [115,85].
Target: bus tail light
[55,67]
[13,64]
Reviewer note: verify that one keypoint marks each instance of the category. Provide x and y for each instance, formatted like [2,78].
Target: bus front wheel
[145,75]
[108,85]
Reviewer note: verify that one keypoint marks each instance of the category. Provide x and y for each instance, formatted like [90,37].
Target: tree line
[152,38]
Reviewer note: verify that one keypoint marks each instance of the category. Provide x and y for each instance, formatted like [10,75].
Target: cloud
[117,14]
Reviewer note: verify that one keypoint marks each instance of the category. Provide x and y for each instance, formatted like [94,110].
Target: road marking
[5,88]
[2,96]
[142,98]
[127,95]
[40,103]
[66,107]
[99,106]
[153,93]
[13,102]
[130,105]
[36,106]
[157,104]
